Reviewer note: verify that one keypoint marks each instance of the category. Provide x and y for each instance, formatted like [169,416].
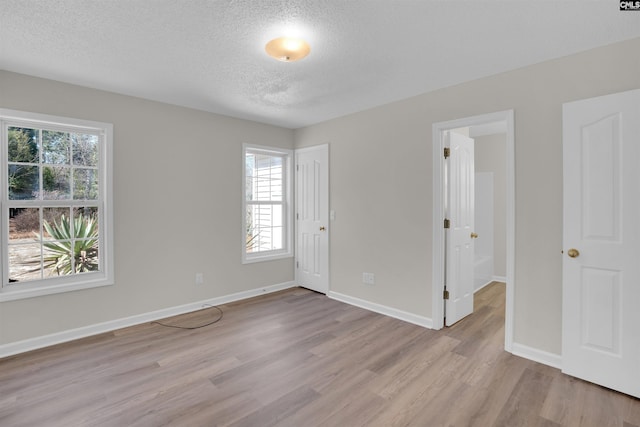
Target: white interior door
[459,241]
[312,218]
[601,261]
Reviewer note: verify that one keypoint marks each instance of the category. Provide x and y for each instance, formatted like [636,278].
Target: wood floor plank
[361,410]
[279,410]
[335,398]
[526,400]
[631,411]
[413,404]
[296,358]
[435,359]
[486,398]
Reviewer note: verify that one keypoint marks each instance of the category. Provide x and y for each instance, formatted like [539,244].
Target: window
[55,188]
[266,230]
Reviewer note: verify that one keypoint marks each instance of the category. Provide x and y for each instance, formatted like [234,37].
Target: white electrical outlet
[199,278]
[368,278]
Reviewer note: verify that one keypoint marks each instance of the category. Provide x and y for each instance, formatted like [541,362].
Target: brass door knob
[573,253]
[474,235]
[322,228]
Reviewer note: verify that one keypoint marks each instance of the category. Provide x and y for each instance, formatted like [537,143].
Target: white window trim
[287,252]
[57,285]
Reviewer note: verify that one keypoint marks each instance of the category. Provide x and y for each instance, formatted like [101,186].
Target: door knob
[474,235]
[322,228]
[573,253]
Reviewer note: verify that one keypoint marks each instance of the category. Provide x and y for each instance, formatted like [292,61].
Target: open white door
[312,218]
[459,237]
[601,262]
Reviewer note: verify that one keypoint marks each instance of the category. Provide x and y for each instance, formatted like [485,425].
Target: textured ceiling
[209,54]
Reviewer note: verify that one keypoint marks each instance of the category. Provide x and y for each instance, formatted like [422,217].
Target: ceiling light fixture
[287,49]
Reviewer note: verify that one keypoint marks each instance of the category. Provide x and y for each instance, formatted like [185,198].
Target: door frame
[438,267]
[325,149]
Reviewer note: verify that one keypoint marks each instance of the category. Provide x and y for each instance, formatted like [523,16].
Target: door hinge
[297,167]
[445,294]
[297,264]
[447,152]
[447,223]
[297,216]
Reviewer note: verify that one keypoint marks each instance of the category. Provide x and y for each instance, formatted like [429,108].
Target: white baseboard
[383,309]
[493,279]
[482,286]
[540,356]
[99,328]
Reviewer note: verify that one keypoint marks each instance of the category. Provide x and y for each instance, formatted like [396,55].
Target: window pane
[56,183]
[56,224]
[24,224]
[253,233]
[264,228]
[85,149]
[23,145]
[24,182]
[85,182]
[251,241]
[56,148]
[24,262]
[57,258]
[85,225]
[86,214]
[250,164]
[86,256]
[276,237]
[57,244]
[268,215]
[264,177]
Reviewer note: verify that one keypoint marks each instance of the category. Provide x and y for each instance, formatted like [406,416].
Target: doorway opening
[499,123]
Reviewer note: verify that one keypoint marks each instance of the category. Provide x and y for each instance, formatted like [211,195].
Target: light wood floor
[297,358]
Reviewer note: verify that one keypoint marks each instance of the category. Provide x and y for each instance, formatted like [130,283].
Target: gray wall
[177,207]
[381,185]
[491,156]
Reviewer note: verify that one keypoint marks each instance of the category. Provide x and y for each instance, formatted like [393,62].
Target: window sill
[8,294]
[262,258]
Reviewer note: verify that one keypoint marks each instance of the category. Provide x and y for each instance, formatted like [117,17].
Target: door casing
[438,270]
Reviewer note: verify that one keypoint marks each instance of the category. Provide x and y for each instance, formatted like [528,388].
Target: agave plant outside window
[78,237]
